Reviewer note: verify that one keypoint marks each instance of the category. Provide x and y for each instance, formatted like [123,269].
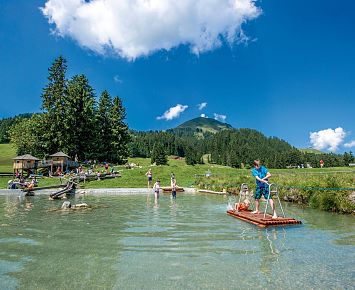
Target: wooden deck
[260,221]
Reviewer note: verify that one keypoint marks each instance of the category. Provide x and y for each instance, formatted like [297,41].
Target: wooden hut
[61,162]
[26,163]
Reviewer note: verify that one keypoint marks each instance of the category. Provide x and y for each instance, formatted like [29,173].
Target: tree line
[73,121]
[233,147]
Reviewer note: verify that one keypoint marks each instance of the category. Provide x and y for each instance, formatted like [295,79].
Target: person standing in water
[173,187]
[149,175]
[262,175]
[156,189]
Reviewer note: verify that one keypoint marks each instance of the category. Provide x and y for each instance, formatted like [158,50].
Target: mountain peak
[205,124]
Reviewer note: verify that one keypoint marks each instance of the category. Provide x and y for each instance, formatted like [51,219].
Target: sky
[284,68]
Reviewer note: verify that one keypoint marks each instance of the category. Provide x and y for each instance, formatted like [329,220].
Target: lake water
[129,242]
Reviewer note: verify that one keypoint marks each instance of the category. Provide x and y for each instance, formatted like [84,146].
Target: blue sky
[289,73]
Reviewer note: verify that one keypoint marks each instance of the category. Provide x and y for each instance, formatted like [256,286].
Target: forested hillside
[233,147]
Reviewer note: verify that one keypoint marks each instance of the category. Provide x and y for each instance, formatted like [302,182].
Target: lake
[131,242]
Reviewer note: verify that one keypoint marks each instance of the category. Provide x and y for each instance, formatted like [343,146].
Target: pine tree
[119,130]
[79,122]
[103,138]
[159,155]
[53,105]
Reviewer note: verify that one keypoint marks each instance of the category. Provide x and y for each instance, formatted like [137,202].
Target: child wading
[149,175]
[156,189]
[173,187]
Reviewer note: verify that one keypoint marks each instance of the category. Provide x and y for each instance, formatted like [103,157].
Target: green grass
[223,177]
[135,177]
[7,152]
[307,186]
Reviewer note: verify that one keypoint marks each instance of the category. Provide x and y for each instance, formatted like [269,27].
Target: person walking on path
[149,175]
[262,175]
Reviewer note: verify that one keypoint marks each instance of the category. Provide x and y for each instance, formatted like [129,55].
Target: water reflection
[269,247]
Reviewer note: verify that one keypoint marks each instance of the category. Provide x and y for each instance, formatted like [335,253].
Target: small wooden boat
[260,221]
[169,189]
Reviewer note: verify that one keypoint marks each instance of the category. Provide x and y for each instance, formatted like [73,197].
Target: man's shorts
[262,191]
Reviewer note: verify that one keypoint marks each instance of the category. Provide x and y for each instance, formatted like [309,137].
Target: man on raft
[262,175]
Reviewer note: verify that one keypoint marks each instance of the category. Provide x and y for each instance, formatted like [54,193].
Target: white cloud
[134,28]
[202,106]
[173,112]
[203,116]
[350,144]
[219,117]
[327,139]
[117,79]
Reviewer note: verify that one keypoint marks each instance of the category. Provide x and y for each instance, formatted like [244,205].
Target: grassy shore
[7,152]
[312,186]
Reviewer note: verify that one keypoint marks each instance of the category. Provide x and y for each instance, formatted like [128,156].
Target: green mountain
[205,125]
[310,150]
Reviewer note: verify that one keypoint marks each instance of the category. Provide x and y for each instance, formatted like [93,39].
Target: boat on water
[169,189]
[262,220]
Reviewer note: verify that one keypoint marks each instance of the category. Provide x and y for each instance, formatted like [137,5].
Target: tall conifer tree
[79,120]
[119,131]
[159,154]
[103,138]
[53,105]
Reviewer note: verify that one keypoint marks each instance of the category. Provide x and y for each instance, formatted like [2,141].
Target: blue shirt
[261,173]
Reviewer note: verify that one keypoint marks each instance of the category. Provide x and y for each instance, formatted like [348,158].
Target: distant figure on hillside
[149,175]
[262,175]
[321,163]
[156,189]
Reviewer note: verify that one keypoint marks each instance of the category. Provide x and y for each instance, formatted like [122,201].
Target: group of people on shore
[156,187]
[260,173]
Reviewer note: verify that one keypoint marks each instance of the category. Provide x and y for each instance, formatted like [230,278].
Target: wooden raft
[260,221]
[169,189]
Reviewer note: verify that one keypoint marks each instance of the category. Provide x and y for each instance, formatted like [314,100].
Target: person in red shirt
[321,163]
[242,206]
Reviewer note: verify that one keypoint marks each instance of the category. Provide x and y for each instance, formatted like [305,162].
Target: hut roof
[59,154]
[26,157]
